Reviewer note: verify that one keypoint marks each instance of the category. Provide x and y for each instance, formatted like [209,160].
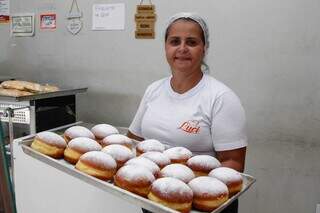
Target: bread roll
[178,171]
[117,139]
[49,143]
[201,165]
[78,146]
[172,193]
[208,193]
[178,154]
[141,161]
[97,164]
[77,131]
[149,145]
[230,177]
[101,131]
[134,178]
[120,153]
[158,158]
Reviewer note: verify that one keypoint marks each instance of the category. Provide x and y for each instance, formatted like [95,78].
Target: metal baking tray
[61,92]
[63,166]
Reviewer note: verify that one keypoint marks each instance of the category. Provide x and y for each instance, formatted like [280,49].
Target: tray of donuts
[145,173]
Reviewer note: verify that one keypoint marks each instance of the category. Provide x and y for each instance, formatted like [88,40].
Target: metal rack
[62,92]
[9,113]
[22,115]
[6,181]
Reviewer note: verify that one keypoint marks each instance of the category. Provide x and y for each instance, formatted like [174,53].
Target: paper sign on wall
[48,21]
[22,24]
[74,23]
[108,16]
[4,11]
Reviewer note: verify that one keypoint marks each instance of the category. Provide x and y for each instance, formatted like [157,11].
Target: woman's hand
[234,159]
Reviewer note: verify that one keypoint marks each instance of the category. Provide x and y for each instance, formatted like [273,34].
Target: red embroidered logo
[191,127]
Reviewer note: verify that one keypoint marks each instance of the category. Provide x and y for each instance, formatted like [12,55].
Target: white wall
[267,51]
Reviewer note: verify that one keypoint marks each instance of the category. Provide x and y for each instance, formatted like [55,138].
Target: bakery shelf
[63,166]
[61,92]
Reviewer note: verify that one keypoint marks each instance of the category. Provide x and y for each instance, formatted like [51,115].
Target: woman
[191,108]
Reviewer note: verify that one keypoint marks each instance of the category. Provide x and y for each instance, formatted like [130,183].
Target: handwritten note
[108,16]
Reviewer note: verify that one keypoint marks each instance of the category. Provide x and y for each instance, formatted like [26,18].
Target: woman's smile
[182,58]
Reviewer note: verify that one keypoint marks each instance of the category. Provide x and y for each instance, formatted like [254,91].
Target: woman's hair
[185,19]
[204,29]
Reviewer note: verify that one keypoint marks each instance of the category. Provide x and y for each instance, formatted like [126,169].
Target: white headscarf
[195,17]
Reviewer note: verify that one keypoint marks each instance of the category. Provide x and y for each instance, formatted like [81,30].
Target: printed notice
[22,24]
[108,16]
[4,11]
[48,21]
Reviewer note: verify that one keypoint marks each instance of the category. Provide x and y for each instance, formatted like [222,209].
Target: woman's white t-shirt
[207,118]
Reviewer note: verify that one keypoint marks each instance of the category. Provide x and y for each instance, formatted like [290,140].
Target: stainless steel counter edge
[62,92]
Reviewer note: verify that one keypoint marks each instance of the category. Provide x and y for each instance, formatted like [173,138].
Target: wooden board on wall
[145,17]
[145,9]
[144,34]
[146,25]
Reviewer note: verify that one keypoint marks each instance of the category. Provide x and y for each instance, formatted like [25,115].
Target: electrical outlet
[318,208]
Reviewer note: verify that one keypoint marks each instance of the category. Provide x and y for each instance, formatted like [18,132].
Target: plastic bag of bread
[49,88]
[28,86]
[13,92]
[22,85]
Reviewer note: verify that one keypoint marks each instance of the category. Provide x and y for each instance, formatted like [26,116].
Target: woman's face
[184,46]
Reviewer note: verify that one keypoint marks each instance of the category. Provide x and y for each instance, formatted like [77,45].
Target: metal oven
[35,113]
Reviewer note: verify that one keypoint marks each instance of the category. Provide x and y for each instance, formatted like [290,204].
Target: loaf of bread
[26,86]
[22,85]
[49,88]
[13,92]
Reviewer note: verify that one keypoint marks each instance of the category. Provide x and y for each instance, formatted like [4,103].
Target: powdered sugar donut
[208,193]
[97,164]
[201,165]
[178,154]
[141,161]
[134,178]
[117,139]
[78,146]
[120,153]
[77,131]
[149,145]
[178,171]
[230,177]
[158,158]
[101,131]
[172,193]
[49,143]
